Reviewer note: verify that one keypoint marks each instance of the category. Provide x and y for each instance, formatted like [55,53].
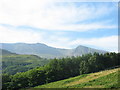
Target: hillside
[5,52]
[45,51]
[12,63]
[64,68]
[102,79]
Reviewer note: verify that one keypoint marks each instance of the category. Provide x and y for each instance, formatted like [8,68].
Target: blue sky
[60,24]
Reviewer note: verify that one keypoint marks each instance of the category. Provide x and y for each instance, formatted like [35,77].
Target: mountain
[5,52]
[80,50]
[45,51]
[102,79]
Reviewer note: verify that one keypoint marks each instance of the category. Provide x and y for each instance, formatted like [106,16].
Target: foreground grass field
[103,79]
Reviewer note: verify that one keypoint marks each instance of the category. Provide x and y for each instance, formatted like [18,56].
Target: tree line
[59,69]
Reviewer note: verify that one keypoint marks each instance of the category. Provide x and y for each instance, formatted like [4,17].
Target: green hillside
[65,68]
[12,63]
[103,79]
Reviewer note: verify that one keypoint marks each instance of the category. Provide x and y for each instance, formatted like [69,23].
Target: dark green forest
[59,69]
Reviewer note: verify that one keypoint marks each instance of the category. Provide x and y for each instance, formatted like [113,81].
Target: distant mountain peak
[81,46]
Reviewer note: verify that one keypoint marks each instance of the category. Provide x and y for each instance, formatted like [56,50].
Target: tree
[5,81]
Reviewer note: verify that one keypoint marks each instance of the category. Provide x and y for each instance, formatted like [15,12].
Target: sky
[60,24]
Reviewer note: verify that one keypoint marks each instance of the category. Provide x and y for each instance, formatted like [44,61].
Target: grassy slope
[103,79]
[21,63]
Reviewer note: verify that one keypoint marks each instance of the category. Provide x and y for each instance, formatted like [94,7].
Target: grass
[103,79]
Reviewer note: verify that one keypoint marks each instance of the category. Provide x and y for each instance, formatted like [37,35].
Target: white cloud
[58,41]
[84,27]
[51,15]
[109,43]
[11,35]
[88,0]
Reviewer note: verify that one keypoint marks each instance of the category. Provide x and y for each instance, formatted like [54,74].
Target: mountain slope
[103,79]
[20,63]
[47,51]
[5,52]
[80,50]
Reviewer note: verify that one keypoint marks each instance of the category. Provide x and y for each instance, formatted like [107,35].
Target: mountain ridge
[46,51]
[6,52]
